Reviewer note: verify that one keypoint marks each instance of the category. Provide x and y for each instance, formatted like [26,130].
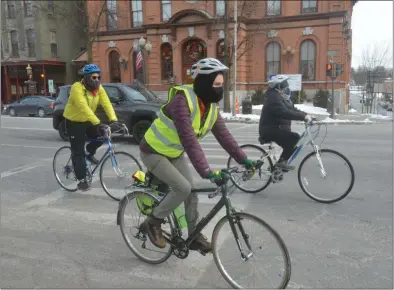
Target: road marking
[18,170]
[24,128]
[29,146]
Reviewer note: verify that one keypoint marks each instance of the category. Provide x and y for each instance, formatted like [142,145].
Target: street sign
[295,81]
[51,89]
[332,53]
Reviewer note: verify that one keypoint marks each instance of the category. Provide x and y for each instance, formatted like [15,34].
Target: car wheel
[139,129]
[12,112]
[41,112]
[62,130]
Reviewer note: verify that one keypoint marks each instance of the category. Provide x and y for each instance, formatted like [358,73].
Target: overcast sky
[372,22]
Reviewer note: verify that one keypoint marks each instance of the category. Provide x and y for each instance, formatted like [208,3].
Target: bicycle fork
[318,157]
[233,220]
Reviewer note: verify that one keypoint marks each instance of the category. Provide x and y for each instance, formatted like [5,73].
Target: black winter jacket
[277,113]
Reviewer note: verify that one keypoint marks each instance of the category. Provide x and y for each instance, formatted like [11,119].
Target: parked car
[31,106]
[134,105]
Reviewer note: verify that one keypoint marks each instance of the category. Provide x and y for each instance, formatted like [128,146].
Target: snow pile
[329,120]
[379,117]
[240,117]
[307,108]
[352,111]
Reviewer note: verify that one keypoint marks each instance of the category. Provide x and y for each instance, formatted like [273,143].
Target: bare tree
[375,58]
[87,24]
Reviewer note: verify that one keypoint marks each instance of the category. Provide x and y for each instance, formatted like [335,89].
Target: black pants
[285,139]
[77,132]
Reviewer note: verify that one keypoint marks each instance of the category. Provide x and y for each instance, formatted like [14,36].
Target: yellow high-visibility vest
[163,137]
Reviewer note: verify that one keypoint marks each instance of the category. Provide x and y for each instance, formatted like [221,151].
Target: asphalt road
[54,239]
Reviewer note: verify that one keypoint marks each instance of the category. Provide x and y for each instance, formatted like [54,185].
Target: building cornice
[210,21]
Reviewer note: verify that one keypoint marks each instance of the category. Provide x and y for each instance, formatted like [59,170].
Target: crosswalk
[59,224]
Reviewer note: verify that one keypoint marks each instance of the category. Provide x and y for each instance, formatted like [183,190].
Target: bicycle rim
[65,169]
[119,166]
[260,179]
[330,172]
[279,269]
[131,235]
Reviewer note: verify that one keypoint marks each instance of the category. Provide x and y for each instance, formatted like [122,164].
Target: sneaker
[284,166]
[83,185]
[152,227]
[201,243]
[92,159]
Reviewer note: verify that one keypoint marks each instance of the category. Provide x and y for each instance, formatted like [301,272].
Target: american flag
[138,61]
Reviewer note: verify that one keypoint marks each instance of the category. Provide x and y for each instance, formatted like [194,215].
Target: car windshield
[134,94]
[147,93]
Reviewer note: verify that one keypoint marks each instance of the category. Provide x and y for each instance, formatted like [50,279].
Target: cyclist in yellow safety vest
[190,114]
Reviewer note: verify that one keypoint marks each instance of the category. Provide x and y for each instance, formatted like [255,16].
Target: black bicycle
[146,197]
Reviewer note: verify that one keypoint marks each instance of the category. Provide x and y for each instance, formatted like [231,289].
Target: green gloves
[249,163]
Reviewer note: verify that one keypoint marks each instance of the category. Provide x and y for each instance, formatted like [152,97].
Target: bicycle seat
[262,141]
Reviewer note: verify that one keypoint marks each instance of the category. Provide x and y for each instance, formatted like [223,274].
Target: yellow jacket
[82,105]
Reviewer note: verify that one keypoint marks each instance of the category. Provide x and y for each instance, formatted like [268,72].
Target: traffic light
[338,69]
[329,70]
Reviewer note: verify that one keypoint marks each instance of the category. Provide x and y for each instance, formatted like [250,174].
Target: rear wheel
[139,129]
[63,131]
[64,170]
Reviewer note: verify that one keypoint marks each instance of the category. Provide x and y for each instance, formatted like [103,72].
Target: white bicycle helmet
[278,82]
[207,66]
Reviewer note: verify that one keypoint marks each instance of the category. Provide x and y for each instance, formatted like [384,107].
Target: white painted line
[13,172]
[30,129]
[29,146]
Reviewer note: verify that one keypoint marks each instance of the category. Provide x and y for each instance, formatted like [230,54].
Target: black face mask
[90,84]
[204,90]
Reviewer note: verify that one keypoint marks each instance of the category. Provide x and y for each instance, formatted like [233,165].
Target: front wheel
[64,170]
[262,245]
[326,167]
[260,178]
[116,171]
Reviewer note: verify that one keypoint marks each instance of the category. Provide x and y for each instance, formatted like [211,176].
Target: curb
[326,123]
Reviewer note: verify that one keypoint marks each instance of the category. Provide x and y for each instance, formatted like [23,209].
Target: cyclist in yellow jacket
[81,120]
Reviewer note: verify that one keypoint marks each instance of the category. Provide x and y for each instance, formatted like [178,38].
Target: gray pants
[177,175]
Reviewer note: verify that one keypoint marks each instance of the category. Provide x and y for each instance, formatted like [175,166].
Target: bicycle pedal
[202,252]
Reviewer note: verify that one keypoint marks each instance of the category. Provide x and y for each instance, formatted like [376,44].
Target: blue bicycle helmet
[90,69]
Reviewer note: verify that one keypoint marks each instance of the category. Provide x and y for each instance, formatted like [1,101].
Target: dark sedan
[31,106]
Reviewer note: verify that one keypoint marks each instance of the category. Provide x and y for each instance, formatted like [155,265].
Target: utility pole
[332,113]
[226,101]
[235,55]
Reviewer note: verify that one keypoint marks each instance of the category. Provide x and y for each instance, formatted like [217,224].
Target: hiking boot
[152,227]
[83,185]
[284,166]
[201,243]
[92,159]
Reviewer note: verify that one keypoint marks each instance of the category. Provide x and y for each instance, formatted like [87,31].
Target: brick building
[289,37]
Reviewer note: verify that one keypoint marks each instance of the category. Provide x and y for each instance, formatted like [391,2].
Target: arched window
[308,60]
[114,67]
[192,51]
[220,50]
[166,61]
[272,59]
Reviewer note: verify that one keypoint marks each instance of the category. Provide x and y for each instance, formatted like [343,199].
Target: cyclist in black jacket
[276,116]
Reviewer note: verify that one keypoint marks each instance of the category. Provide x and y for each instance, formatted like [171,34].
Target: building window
[114,67]
[166,9]
[112,16]
[28,7]
[14,44]
[166,61]
[136,8]
[272,59]
[273,7]
[309,6]
[220,7]
[31,42]
[52,39]
[308,59]
[11,9]
[220,50]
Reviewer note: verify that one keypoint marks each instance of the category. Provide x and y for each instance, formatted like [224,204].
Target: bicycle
[275,175]
[110,154]
[143,191]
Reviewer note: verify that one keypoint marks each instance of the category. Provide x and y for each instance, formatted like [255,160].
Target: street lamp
[29,70]
[144,46]
[31,85]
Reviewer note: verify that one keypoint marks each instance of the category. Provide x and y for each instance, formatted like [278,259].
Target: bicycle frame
[109,150]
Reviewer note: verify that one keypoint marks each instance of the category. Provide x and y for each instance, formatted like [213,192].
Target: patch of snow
[329,120]
[306,107]
[379,117]
[352,111]
[239,117]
